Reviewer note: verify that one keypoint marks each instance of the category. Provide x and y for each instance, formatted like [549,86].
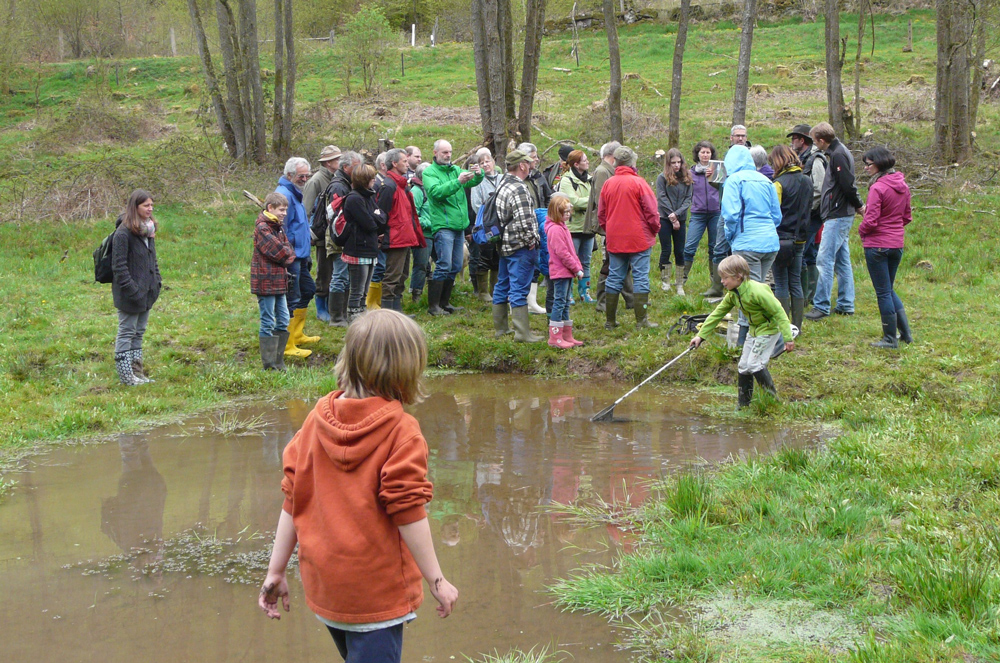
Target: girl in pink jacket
[563,266]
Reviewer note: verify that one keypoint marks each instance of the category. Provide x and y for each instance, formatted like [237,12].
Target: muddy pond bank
[151,548]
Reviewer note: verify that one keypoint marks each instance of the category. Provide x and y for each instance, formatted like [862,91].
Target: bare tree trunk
[208,69]
[952,121]
[674,131]
[479,32]
[497,72]
[290,76]
[976,92]
[743,65]
[534,24]
[278,107]
[615,88]
[507,37]
[942,116]
[863,8]
[228,45]
[253,92]
[834,87]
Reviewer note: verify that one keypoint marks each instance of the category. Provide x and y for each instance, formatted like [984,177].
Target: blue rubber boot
[322,313]
[584,289]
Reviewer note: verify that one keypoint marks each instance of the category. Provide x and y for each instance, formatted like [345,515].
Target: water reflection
[500,449]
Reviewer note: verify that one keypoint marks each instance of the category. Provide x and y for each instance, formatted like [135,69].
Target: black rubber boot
[610,310]
[903,325]
[798,305]
[813,282]
[337,305]
[434,292]
[763,377]
[279,350]
[627,293]
[889,341]
[786,306]
[744,389]
[449,285]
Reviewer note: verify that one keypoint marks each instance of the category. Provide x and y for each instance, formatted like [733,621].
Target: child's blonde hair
[385,354]
[275,199]
[558,204]
[734,266]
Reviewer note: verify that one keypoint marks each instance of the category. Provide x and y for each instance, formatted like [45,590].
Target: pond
[152,548]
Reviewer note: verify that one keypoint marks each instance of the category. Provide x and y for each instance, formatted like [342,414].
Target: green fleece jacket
[758,304]
[447,206]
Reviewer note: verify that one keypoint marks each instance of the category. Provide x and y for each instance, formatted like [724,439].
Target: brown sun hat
[329,153]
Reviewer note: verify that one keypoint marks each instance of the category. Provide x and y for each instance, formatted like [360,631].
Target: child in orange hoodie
[355,488]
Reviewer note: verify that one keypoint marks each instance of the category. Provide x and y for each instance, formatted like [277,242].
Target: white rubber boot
[533,306]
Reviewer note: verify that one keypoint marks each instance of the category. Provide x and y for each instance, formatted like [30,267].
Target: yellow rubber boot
[290,348]
[298,322]
[374,300]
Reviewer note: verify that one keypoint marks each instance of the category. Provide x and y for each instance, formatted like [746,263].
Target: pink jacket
[563,262]
[627,212]
[887,211]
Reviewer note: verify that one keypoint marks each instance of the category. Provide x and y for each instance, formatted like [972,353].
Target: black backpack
[320,215]
[102,260]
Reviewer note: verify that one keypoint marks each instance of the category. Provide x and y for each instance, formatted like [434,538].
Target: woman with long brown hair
[136,283]
[673,197]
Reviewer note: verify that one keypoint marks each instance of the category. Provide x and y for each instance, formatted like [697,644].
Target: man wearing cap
[329,161]
[518,249]
[627,212]
[553,172]
[448,210]
[814,167]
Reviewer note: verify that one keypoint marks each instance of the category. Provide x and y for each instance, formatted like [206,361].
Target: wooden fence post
[62,47]
[173,43]
[434,33]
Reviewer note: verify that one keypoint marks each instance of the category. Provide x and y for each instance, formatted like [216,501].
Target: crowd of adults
[787,211]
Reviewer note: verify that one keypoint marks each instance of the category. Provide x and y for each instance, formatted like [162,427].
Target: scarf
[879,174]
[583,177]
[700,169]
[147,228]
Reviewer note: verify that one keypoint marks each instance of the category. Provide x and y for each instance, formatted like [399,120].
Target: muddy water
[151,549]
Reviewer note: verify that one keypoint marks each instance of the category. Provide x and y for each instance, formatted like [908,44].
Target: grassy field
[887,535]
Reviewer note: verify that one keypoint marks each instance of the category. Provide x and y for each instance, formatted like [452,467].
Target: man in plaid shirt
[518,249]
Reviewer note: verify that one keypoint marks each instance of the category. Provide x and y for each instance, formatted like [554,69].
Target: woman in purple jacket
[886,213]
[704,215]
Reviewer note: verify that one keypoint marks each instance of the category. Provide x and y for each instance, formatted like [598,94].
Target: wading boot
[123,364]
[485,291]
[798,305]
[889,341]
[138,369]
[555,336]
[744,389]
[763,377]
[449,285]
[500,324]
[567,333]
[642,312]
[337,305]
[666,276]
[522,325]
[296,328]
[322,312]
[903,324]
[278,359]
[715,289]
[434,289]
[268,348]
[533,300]
[611,310]
[374,299]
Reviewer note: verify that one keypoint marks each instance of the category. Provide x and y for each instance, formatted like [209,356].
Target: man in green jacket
[769,325]
[448,212]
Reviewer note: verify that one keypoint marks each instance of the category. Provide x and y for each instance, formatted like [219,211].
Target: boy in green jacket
[769,325]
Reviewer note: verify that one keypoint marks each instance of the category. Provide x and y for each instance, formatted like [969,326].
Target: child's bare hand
[275,587]
[789,346]
[696,341]
[446,595]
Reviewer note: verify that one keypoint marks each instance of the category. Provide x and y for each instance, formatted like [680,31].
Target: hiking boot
[434,291]
[889,341]
[903,324]
[816,314]
[522,325]
[555,336]
[268,349]
[715,289]
[337,305]
[374,299]
[500,324]
[449,285]
[567,333]
[123,365]
[642,312]
[744,389]
[763,377]
[611,310]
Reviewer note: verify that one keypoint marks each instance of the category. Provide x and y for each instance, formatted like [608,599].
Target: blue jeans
[788,271]
[302,285]
[517,272]
[449,246]
[584,245]
[834,258]
[882,266]
[618,269]
[421,267]
[379,272]
[722,248]
[701,222]
[560,299]
[273,314]
[382,646]
[340,280]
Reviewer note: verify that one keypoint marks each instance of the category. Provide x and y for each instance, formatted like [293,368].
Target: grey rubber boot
[611,311]
[268,344]
[279,350]
[642,312]
[522,325]
[903,324]
[714,290]
[434,290]
[500,325]
[744,389]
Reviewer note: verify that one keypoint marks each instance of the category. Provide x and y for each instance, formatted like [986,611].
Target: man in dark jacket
[538,186]
[329,162]
[838,205]
[340,280]
[814,167]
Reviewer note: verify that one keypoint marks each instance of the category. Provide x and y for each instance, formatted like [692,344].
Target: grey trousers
[131,327]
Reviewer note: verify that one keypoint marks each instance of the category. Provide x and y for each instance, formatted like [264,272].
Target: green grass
[887,531]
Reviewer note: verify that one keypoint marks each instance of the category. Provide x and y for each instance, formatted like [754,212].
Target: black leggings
[668,235]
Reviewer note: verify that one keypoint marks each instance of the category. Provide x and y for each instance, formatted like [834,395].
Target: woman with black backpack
[360,239]
[135,285]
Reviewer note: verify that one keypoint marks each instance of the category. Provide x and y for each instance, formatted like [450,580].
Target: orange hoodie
[355,472]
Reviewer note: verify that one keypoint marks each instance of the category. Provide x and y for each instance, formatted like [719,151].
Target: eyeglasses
[869,163]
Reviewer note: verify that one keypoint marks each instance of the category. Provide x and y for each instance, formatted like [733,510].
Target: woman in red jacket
[886,213]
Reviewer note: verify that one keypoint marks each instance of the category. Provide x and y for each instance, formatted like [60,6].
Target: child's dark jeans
[382,646]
